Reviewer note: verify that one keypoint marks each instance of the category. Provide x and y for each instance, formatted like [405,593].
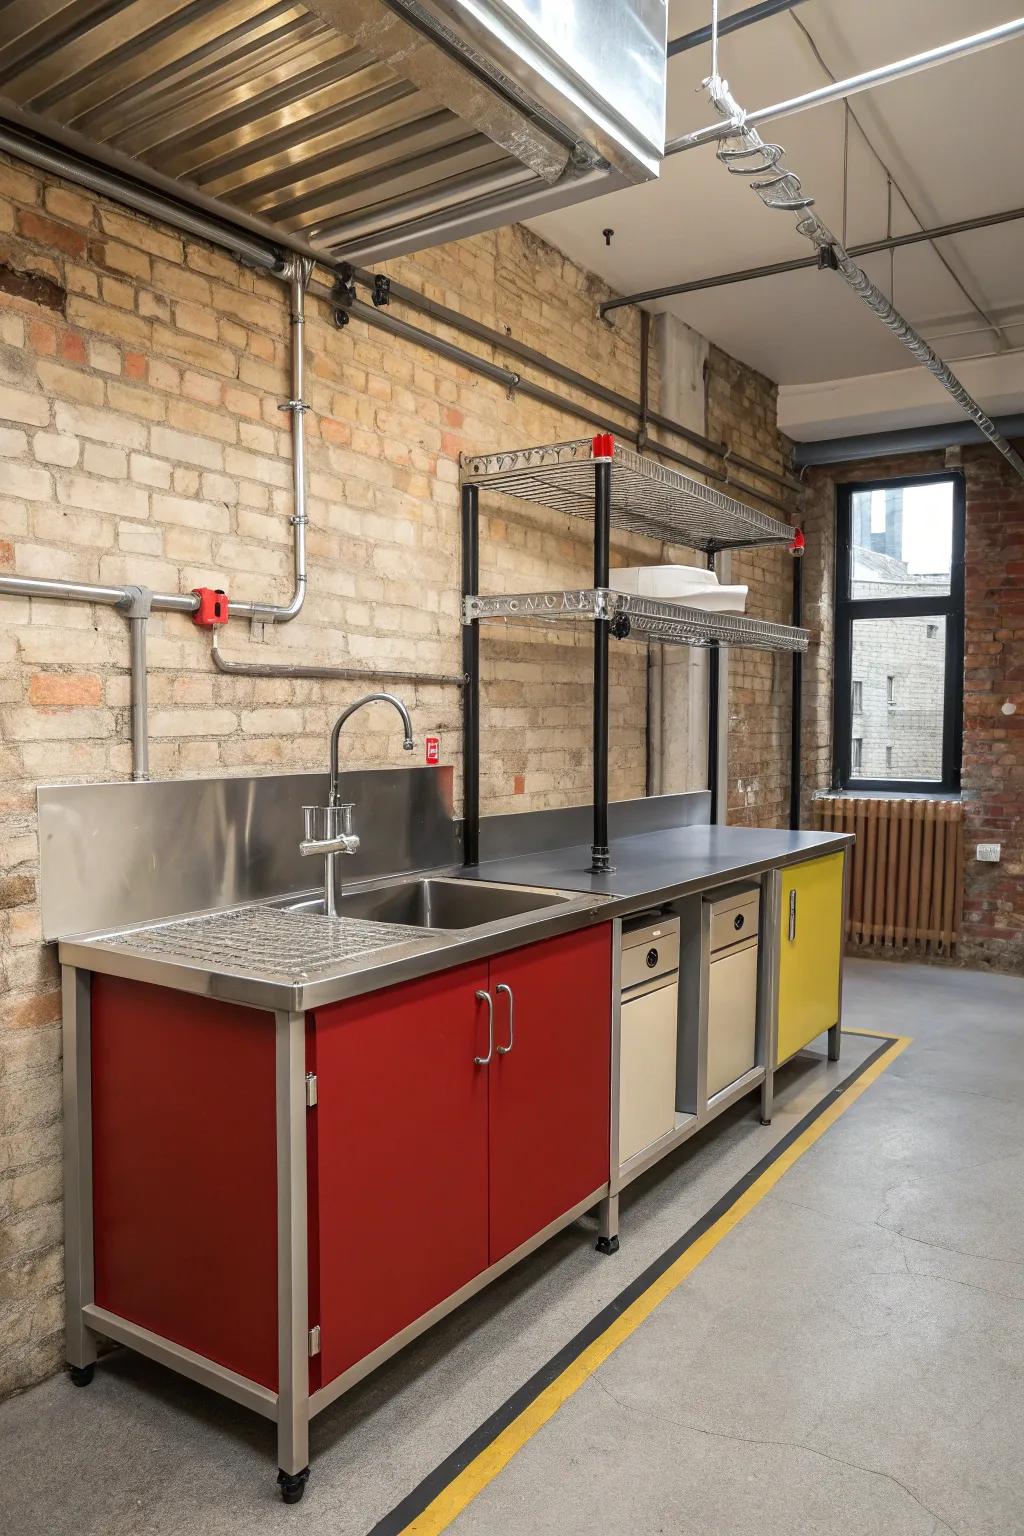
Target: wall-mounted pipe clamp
[213,607]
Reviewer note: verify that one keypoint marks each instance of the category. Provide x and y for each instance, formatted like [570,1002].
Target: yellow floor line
[463,1489]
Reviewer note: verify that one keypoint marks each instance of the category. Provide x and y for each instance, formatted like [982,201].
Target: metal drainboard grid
[646,497]
[265,941]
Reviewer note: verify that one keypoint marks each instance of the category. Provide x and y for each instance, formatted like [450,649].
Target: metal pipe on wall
[873,445]
[839,90]
[754,13]
[325,673]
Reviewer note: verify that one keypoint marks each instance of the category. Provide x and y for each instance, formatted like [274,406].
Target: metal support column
[292,1256]
[600,855]
[471,667]
[796,721]
[80,1342]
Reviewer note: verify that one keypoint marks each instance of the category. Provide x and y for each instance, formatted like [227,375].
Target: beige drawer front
[647,1070]
[732,1017]
[734,917]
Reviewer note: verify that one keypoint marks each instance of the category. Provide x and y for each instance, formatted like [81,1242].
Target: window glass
[903,673]
[901,541]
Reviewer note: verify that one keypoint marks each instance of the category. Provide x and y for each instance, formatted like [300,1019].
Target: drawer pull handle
[503,1050]
[485,997]
[792,915]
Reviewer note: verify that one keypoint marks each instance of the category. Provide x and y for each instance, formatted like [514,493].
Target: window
[899,634]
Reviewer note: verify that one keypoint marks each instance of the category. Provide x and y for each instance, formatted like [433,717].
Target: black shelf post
[471,667]
[600,854]
[714,696]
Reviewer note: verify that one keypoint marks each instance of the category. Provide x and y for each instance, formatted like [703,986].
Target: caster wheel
[293,1485]
[607,1245]
[764,1121]
[81,1375]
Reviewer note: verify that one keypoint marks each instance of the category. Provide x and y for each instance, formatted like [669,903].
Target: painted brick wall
[993,762]
[141,440]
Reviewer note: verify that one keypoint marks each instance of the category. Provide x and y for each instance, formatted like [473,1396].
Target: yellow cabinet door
[811,946]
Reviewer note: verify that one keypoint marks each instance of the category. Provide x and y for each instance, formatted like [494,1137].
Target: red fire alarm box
[213,606]
[433,750]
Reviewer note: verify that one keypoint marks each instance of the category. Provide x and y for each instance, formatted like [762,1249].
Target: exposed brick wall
[993,761]
[141,441]
[742,410]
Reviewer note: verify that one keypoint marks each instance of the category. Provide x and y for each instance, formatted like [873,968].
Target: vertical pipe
[714,689]
[139,697]
[471,667]
[796,722]
[600,856]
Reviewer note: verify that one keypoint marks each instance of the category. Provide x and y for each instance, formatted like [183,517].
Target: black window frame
[847,609]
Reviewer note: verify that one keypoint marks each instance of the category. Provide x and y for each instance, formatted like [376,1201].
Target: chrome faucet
[329,827]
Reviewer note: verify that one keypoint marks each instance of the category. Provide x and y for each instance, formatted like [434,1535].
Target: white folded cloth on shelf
[680,584]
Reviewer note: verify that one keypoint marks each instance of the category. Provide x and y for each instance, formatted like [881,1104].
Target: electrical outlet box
[989,853]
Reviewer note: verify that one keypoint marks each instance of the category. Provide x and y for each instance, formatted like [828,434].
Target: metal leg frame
[771,897]
[608,1210]
[80,1346]
[292,1257]
[600,853]
[471,668]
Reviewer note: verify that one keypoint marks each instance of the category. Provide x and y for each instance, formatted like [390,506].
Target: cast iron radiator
[906,876]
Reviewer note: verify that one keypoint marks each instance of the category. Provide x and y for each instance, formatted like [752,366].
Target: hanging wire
[745,153]
[846,164]
[714,39]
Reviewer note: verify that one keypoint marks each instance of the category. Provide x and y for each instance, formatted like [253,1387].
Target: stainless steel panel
[116,854]
[346,121]
[734,916]
[515,834]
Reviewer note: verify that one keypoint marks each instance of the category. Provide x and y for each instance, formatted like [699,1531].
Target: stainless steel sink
[435,903]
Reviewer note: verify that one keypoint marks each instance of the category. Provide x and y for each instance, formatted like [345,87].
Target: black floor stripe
[446,1471]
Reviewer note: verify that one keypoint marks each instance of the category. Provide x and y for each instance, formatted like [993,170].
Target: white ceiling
[948,136]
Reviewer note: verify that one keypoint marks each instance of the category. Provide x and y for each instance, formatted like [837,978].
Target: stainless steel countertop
[186,953]
[657,866]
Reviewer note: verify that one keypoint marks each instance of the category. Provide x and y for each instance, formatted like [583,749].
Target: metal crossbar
[638,618]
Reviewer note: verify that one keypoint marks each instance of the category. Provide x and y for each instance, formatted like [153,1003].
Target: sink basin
[435,903]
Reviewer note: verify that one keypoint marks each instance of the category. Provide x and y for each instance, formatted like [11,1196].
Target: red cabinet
[549,1094]
[426,1166]
[398,1190]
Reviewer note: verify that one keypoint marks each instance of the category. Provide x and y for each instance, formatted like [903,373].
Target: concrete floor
[849,1360]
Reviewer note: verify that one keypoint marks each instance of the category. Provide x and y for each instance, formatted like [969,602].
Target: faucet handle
[328,829]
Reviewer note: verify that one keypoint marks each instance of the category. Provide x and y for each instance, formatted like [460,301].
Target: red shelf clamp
[603,446]
[797,546]
[213,606]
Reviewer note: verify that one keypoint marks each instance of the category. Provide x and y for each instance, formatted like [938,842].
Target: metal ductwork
[354,129]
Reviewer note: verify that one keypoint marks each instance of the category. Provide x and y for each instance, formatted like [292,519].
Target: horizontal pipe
[91,592]
[736,23]
[839,90]
[925,439]
[520,349]
[342,674]
[801,263]
[109,184]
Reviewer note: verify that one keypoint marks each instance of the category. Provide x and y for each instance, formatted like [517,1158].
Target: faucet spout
[346,714]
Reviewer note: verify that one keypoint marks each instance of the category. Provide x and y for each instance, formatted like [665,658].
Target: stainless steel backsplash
[113,854]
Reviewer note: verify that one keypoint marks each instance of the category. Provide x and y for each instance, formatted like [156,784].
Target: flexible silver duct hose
[745,153]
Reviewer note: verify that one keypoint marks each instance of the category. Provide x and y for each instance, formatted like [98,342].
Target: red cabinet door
[399,1188]
[549,1094]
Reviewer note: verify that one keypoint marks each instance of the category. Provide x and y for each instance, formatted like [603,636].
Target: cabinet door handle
[792,915]
[503,1050]
[485,997]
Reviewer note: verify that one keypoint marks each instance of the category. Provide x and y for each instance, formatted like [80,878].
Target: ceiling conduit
[745,153]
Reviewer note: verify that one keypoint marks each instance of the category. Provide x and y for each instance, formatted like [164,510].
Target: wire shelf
[633,617]
[646,497]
